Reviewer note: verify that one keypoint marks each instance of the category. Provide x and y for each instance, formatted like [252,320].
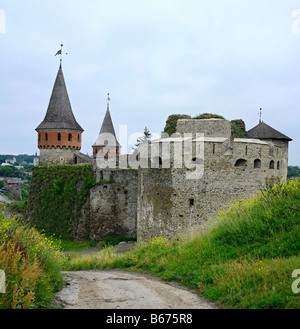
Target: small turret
[107,141]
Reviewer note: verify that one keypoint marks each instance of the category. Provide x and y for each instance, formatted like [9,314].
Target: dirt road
[116,289]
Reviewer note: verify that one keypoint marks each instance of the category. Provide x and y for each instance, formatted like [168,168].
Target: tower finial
[60,52]
[108,100]
[260,112]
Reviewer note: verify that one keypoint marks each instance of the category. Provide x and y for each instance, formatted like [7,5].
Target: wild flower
[31,261]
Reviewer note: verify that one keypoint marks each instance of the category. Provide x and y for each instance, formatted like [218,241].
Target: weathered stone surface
[171,205]
[57,155]
[209,127]
[113,206]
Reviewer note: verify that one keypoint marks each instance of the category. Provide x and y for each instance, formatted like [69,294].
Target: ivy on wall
[57,195]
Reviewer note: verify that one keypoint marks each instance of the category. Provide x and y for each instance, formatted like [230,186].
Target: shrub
[209,116]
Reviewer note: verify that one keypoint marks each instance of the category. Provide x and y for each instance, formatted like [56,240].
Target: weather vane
[60,52]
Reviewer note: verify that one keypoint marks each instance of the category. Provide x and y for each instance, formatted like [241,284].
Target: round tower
[59,135]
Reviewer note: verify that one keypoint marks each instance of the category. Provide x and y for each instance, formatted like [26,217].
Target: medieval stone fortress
[171,186]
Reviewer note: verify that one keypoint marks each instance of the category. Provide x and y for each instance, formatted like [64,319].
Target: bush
[209,116]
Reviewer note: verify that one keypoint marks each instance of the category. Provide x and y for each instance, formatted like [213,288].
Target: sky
[155,58]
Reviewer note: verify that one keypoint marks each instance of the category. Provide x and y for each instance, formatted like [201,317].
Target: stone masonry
[171,205]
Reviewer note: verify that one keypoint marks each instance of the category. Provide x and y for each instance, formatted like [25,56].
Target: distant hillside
[19,158]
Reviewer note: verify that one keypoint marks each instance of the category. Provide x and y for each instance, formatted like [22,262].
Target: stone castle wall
[57,155]
[210,127]
[169,204]
[113,206]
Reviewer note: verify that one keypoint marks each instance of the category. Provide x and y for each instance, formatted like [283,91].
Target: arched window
[46,137]
[241,163]
[272,164]
[70,137]
[257,163]
[278,165]
[59,137]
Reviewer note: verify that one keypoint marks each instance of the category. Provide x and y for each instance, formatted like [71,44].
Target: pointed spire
[59,114]
[107,125]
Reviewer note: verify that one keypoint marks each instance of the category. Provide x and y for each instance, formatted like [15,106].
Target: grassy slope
[246,261]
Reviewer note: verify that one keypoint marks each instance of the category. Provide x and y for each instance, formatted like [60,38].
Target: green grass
[245,261]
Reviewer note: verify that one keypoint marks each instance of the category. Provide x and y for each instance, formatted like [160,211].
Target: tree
[146,137]
[293,171]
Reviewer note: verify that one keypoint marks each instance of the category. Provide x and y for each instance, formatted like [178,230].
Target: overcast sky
[155,58]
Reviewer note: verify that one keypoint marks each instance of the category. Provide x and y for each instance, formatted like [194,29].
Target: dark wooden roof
[59,114]
[264,131]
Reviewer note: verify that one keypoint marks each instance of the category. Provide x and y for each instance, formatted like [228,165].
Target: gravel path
[114,289]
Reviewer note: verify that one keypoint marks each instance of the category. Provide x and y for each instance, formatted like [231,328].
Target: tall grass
[32,264]
[245,261]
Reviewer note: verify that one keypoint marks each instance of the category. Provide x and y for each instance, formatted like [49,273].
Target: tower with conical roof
[59,134]
[107,142]
[266,133]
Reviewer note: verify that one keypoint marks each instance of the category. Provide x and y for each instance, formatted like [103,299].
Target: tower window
[257,163]
[272,164]
[214,148]
[70,137]
[39,137]
[278,165]
[192,202]
[246,150]
[59,137]
[46,137]
[78,138]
